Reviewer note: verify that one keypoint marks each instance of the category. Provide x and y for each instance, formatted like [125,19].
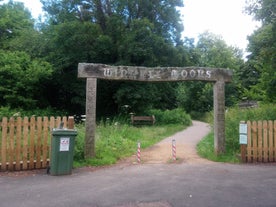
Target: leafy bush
[175,116]
[8,112]
[79,142]
[21,79]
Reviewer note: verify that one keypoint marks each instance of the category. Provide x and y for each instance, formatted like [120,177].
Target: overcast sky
[221,17]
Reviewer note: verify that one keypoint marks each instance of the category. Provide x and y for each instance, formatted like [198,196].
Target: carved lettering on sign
[156,74]
[175,74]
[159,74]
[107,72]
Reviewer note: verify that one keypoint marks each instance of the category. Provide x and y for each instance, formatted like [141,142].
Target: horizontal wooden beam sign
[154,74]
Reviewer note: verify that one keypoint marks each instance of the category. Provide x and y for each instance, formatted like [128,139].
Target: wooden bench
[248,104]
[142,119]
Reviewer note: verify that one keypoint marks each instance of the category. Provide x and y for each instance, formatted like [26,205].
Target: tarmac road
[195,184]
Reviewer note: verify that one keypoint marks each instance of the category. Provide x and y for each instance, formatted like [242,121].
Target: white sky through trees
[221,17]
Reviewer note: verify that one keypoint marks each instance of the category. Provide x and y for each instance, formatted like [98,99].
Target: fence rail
[25,142]
[261,142]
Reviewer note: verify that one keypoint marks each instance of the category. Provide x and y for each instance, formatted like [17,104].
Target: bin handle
[61,125]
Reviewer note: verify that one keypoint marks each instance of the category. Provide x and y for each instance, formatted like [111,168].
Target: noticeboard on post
[243,133]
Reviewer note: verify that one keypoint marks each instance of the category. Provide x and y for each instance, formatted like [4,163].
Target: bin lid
[64,131]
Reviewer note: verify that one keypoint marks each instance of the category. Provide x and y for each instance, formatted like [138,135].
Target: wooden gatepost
[92,72]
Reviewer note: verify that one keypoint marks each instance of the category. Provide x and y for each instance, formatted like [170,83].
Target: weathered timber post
[90,122]
[92,71]
[219,117]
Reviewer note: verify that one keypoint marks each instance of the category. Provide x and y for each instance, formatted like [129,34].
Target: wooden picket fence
[25,142]
[261,142]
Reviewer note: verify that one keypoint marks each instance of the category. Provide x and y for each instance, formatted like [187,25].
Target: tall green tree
[113,32]
[15,19]
[214,52]
[163,14]
[210,51]
[22,73]
[22,79]
[262,48]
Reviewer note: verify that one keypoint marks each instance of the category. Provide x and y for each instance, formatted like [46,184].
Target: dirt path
[186,142]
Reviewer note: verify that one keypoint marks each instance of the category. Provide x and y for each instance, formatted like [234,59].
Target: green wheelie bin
[62,151]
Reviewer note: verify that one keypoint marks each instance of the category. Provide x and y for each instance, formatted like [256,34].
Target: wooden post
[11,143]
[32,142]
[243,152]
[18,143]
[25,143]
[90,123]
[45,141]
[265,141]
[38,142]
[249,142]
[260,141]
[70,122]
[270,141]
[254,138]
[4,143]
[219,117]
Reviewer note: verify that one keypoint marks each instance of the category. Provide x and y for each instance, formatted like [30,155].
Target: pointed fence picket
[25,142]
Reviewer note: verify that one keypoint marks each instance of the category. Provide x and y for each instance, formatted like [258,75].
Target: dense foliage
[38,59]
[262,45]
[175,116]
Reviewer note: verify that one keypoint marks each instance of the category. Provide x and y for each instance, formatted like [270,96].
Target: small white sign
[243,133]
[243,128]
[64,144]
[243,138]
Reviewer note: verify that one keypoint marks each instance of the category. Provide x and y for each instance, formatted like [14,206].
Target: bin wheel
[48,170]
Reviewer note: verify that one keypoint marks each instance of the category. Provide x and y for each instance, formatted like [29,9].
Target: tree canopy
[262,48]
[38,62]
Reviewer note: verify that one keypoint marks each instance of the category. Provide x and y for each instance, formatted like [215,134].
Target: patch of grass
[115,141]
[205,149]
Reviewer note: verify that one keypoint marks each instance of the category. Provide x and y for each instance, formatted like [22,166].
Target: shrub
[8,112]
[175,116]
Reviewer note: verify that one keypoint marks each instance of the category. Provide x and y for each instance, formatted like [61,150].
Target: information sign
[64,144]
[243,133]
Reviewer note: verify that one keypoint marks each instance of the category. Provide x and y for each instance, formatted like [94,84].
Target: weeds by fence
[25,142]
[261,142]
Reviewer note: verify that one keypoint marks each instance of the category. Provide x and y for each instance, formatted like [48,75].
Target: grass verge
[205,149]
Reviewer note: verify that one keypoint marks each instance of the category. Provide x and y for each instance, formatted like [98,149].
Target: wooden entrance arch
[92,72]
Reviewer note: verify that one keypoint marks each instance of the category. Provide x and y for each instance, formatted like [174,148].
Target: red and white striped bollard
[138,152]
[174,150]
